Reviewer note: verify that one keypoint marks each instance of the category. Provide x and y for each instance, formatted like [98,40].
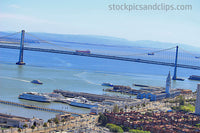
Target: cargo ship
[82,102]
[34,96]
[194,77]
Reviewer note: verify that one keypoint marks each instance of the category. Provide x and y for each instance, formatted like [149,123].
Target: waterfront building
[197,105]
[17,121]
[155,94]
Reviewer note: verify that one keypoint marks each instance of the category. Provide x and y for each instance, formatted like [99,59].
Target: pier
[36,107]
[91,97]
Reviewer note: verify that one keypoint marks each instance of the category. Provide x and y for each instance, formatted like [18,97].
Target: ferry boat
[36,82]
[107,84]
[34,96]
[82,102]
[194,77]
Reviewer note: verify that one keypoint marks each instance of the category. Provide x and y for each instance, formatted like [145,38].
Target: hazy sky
[94,17]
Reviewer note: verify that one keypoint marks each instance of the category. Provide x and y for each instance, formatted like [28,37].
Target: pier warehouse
[17,121]
[155,94]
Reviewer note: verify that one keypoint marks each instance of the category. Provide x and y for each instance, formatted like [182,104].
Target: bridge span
[102,56]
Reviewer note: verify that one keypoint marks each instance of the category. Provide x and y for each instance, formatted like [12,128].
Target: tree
[33,127]
[56,120]
[121,110]
[45,124]
[181,100]
[25,126]
[19,130]
[63,120]
[115,108]
[131,107]
[49,120]
[114,128]
[126,107]
[102,119]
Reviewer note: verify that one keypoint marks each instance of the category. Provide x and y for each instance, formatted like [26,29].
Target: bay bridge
[68,51]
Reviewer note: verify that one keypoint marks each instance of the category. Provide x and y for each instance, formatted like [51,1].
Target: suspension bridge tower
[175,67]
[21,62]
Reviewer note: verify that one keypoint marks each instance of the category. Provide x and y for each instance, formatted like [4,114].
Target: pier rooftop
[92,97]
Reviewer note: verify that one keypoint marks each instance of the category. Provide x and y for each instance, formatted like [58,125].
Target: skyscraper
[168,84]
[197,105]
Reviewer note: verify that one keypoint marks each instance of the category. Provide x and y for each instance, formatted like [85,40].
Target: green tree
[56,120]
[25,126]
[45,124]
[138,131]
[115,108]
[63,120]
[131,107]
[121,110]
[181,100]
[49,120]
[33,127]
[102,119]
[19,130]
[126,107]
[114,128]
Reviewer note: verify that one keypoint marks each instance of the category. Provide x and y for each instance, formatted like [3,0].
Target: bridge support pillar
[20,62]
[175,65]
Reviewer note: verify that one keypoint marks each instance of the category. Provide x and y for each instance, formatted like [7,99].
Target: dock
[37,107]
[91,97]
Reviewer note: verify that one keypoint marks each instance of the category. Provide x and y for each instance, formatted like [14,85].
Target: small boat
[36,82]
[107,84]
[151,53]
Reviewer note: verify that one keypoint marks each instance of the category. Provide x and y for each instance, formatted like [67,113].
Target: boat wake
[80,75]
[15,79]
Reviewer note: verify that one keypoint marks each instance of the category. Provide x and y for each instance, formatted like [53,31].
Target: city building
[63,116]
[163,122]
[197,105]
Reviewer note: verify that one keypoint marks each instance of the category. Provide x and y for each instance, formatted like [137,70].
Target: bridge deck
[103,56]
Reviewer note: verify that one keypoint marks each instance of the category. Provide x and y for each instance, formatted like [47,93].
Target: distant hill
[99,40]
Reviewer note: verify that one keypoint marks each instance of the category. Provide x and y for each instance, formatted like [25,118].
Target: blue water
[77,73]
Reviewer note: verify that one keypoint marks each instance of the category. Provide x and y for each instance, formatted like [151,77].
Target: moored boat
[82,102]
[34,96]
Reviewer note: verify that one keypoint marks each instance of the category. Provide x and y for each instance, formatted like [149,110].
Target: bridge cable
[188,52]
[44,41]
[146,53]
[9,35]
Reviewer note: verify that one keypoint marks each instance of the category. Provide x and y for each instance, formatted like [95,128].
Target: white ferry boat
[82,102]
[34,96]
